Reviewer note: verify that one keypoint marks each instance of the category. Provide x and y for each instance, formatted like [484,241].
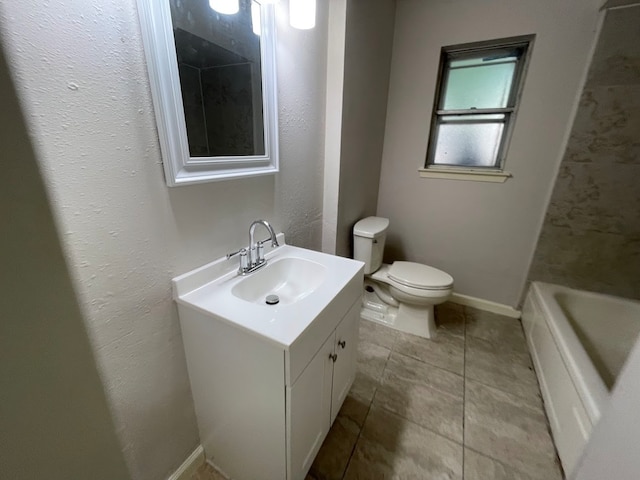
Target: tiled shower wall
[591,234]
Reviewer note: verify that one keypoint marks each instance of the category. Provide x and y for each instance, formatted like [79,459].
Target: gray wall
[369,41]
[55,419]
[80,73]
[352,174]
[483,234]
[591,233]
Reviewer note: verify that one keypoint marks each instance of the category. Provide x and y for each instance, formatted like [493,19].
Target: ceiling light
[227,7]
[302,14]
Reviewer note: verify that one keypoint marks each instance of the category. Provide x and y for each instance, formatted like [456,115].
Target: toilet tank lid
[370,227]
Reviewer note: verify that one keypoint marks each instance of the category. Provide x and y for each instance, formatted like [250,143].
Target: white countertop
[208,290]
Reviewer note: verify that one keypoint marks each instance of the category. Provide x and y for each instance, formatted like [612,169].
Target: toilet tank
[369,235]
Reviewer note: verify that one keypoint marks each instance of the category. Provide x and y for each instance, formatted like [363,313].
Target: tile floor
[207,472]
[464,405]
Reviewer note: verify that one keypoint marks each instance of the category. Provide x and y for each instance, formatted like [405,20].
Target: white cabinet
[264,409]
[315,398]
[346,351]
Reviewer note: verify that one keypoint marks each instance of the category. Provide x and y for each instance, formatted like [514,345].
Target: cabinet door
[308,411]
[346,351]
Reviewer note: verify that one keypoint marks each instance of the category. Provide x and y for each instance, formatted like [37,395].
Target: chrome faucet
[252,258]
[256,249]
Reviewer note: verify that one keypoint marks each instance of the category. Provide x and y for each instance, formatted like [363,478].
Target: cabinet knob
[333,356]
[342,343]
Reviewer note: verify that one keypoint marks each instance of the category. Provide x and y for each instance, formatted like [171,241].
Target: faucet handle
[274,243]
[259,252]
[237,252]
[244,259]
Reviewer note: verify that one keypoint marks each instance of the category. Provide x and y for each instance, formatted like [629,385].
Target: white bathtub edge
[590,387]
[558,389]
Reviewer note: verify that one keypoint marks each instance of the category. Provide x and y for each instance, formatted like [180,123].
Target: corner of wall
[558,162]
[333,122]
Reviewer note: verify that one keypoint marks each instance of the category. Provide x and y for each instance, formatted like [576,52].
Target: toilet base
[411,319]
[419,321]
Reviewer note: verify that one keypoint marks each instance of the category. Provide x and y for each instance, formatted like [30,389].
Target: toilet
[401,295]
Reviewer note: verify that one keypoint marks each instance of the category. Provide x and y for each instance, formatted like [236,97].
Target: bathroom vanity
[269,380]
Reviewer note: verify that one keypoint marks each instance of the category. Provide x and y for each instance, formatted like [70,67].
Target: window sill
[468,175]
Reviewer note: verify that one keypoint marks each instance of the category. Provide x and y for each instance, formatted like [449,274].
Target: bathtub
[579,342]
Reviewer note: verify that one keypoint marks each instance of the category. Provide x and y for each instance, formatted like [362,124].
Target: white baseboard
[486,305]
[189,466]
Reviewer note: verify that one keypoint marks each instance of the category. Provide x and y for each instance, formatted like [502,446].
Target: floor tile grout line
[464,384]
[497,460]
[493,387]
[364,420]
[408,420]
[494,342]
[467,338]
[432,386]
[395,342]
[430,429]
[452,396]
[402,416]
[500,389]
[430,364]
[393,349]
[527,351]
[355,444]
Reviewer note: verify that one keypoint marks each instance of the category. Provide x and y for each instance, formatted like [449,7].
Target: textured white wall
[483,234]
[81,76]
[55,418]
[333,119]
[302,73]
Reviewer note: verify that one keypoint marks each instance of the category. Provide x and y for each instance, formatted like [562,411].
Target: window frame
[494,173]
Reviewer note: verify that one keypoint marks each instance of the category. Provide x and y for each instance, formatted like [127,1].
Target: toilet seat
[419,276]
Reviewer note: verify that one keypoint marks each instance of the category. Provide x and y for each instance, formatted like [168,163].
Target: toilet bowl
[401,295]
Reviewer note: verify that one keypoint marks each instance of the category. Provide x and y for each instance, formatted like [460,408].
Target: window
[475,105]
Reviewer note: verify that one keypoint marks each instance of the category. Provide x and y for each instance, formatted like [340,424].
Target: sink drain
[272,299]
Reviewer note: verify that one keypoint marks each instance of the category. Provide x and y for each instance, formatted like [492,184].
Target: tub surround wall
[619,3]
[80,74]
[483,234]
[591,234]
[353,176]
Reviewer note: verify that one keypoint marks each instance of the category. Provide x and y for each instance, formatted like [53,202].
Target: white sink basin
[306,282]
[291,279]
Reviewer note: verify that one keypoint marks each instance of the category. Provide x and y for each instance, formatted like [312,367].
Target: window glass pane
[473,118]
[480,86]
[497,55]
[468,144]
